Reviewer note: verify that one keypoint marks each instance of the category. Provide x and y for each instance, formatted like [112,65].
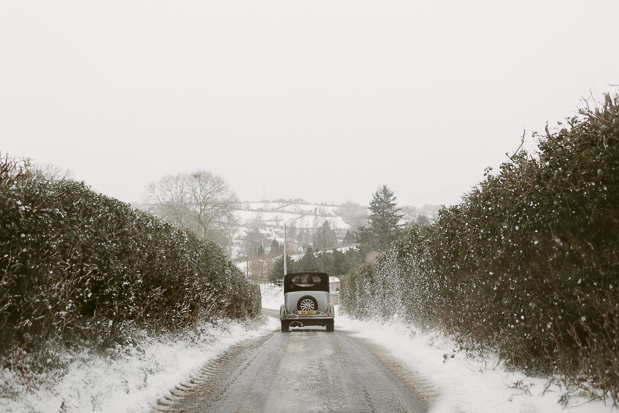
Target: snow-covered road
[306,370]
[133,377]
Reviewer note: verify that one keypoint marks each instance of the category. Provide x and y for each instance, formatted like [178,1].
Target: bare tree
[200,201]
[354,215]
[53,173]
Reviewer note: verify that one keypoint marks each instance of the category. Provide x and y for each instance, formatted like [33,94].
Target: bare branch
[199,201]
[522,143]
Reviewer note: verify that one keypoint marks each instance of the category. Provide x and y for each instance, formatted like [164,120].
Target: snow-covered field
[131,378]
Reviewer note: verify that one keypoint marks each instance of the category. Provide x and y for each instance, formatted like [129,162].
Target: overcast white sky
[321,100]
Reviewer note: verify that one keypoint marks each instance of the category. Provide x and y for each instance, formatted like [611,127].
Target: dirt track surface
[306,370]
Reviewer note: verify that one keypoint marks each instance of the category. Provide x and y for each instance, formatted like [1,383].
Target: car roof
[289,285]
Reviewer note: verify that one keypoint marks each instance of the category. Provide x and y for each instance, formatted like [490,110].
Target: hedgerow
[527,264]
[77,266]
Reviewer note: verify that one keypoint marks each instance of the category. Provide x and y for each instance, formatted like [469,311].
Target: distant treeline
[527,264]
[77,266]
[335,262]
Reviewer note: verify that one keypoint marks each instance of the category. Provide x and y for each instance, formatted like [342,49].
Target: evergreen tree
[260,251]
[383,225]
[340,263]
[277,273]
[326,262]
[308,263]
[349,238]
[275,249]
[325,237]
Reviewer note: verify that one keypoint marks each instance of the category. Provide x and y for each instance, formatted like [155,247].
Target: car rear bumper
[292,316]
[323,322]
[320,316]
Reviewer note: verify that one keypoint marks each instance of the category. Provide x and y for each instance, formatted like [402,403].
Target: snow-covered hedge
[76,266]
[527,264]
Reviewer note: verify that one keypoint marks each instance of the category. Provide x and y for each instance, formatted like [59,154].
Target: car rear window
[306,280]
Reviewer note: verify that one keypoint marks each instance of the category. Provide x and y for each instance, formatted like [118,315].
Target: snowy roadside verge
[126,378]
[465,383]
[272,296]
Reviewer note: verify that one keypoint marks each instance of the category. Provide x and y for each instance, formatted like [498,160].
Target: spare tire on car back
[307,303]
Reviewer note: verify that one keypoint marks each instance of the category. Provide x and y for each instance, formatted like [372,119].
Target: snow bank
[272,296]
[466,384]
[128,378]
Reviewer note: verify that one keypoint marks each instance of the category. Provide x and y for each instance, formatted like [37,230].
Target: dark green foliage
[307,263]
[342,262]
[527,264]
[277,273]
[77,266]
[334,262]
[383,222]
[422,220]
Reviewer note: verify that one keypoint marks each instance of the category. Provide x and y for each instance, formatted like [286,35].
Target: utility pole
[285,267]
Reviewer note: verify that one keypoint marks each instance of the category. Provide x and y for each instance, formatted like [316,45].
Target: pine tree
[277,273]
[325,238]
[275,249]
[383,225]
[309,262]
[260,251]
[349,238]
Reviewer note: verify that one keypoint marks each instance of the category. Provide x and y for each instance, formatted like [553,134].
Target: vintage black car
[306,301]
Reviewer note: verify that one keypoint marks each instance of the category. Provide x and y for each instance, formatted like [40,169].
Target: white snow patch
[312,208]
[272,296]
[333,279]
[129,378]
[480,385]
